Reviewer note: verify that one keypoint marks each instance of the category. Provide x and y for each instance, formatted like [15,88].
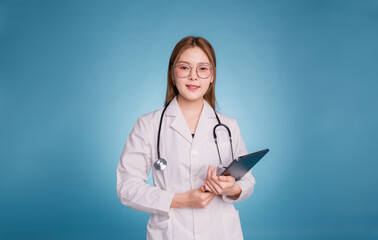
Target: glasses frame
[182,64]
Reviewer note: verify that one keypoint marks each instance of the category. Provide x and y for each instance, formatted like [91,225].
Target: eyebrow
[200,63]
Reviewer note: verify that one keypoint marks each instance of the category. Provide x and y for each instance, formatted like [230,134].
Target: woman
[188,201]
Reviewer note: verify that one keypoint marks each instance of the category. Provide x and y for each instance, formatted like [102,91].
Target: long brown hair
[181,46]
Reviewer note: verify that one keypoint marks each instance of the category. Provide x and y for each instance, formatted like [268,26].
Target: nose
[193,74]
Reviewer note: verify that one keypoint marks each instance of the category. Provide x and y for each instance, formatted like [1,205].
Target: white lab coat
[187,162]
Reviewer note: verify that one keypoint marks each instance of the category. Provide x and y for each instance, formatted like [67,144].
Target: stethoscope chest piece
[160,164]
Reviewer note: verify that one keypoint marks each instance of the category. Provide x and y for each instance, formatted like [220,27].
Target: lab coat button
[194,152]
[194,179]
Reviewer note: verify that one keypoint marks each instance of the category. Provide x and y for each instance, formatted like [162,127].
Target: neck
[190,108]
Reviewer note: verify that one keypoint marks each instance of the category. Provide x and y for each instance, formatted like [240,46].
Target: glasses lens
[182,70]
[204,71]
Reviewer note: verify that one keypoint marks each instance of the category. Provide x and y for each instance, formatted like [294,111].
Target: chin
[192,97]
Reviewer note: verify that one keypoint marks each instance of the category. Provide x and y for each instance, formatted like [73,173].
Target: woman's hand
[192,199]
[221,185]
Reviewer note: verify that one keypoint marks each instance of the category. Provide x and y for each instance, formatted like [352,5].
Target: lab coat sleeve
[132,173]
[247,182]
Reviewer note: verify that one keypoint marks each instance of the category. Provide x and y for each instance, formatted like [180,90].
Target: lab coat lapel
[179,123]
[205,124]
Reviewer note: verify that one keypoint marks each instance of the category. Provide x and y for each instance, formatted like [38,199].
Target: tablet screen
[239,167]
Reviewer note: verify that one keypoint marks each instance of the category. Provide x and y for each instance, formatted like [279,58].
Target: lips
[192,87]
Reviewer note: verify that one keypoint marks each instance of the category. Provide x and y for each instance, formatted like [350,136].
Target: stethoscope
[161,163]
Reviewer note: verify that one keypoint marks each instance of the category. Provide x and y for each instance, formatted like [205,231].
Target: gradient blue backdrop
[299,76]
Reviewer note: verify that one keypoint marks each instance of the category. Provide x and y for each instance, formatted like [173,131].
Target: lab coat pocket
[232,226]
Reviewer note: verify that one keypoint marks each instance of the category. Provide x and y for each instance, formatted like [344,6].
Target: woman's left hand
[221,185]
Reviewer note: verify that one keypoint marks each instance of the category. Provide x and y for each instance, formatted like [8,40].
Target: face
[193,87]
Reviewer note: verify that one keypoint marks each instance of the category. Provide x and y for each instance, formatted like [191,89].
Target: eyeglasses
[184,70]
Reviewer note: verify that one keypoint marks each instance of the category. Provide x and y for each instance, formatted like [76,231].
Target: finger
[214,172]
[209,195]
[204,181]
[208,172]
[213,196]
[208,200]
[214,180]
[213,184]
[226,179]
[212,189]
[217,188]
[205,189]
[214,177]
[205,203]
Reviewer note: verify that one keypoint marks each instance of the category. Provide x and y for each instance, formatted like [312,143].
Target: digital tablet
[241,165]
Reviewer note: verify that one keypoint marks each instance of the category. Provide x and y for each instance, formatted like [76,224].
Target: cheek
[179,83]
[205,86]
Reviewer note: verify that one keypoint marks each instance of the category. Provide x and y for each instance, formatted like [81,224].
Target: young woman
[188,199]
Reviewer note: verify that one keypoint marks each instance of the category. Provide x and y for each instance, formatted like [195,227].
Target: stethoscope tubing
[158,138]
[161,163]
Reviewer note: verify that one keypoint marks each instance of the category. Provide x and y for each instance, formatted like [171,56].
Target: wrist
[236,191]
[179,200]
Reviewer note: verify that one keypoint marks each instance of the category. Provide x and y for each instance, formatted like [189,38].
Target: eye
[203,68]
[183,67]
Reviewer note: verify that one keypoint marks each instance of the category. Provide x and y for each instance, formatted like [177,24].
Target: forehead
[194,55]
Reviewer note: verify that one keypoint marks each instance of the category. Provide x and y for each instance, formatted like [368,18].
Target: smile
[192,87]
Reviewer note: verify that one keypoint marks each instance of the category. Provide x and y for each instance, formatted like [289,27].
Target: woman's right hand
[196,198]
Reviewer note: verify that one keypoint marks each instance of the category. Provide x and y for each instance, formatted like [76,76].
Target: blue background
[299,76]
